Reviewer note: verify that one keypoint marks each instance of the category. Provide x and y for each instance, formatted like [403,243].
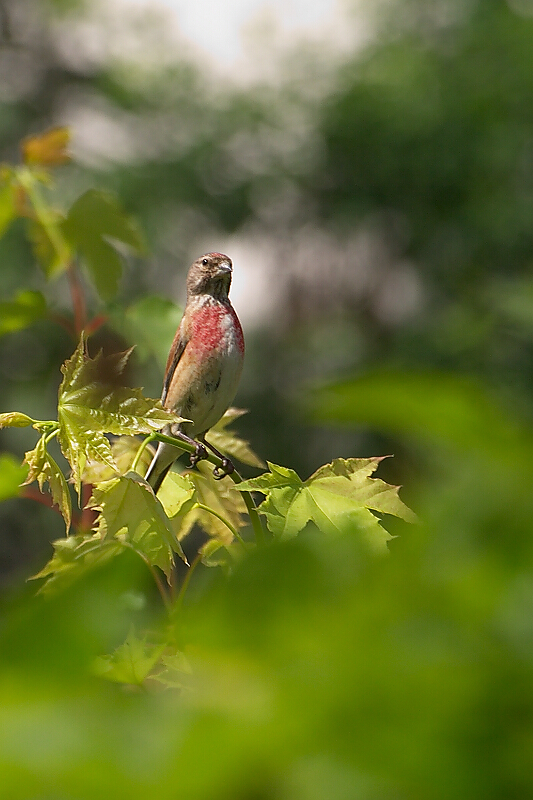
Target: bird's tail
[165,456]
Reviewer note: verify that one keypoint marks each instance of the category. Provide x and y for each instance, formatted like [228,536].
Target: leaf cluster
[125,514]
[99,419]
[339,497]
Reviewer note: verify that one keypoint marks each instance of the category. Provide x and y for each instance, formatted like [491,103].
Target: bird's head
[210,274]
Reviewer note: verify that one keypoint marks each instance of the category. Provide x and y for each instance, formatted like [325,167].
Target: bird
[204,365]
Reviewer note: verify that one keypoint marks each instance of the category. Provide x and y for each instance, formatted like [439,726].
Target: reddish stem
[95,323]
[45,499]
[88,515]
[64,322]
[31,493]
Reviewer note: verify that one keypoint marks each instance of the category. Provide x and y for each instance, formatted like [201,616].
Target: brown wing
[176,352]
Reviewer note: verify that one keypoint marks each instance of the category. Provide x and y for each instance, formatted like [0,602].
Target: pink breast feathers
[217,327]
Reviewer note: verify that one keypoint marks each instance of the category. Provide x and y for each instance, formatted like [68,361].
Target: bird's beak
[226,267]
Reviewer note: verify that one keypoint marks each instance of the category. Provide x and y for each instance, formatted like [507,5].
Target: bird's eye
[205,262]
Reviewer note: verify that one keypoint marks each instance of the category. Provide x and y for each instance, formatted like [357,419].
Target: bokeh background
[369,168]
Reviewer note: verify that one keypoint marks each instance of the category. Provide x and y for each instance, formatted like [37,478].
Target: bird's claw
[226,468]
[199,454]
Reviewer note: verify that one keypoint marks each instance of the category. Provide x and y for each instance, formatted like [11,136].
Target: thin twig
[78,299]
[144,444]
[95,323]
[186,581]
[226,522]
[155,575]
[65,323]
[88,515]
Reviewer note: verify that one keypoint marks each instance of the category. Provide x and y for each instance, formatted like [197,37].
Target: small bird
[204,365]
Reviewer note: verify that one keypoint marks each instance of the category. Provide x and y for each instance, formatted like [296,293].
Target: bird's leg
[200,452]
[227,466]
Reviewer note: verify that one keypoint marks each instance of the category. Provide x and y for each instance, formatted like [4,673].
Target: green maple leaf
[93,402]
[338,497]
[216,553]
[352,477]
[220,498]
[173,672]
[177,494]
[230,444]
[42,467]
[72,556]
[94,221]
[131,662]
[124,450]
[180,495]
[130,511]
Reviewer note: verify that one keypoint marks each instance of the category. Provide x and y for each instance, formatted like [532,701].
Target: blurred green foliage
[405,174]
[313,670]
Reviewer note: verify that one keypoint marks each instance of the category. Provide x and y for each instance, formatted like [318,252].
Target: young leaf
[173,672]
[177,494]
[131,662]
[218,496]
[14,419]
[227,442]
[42,467]
[12,474]
[218,554]
[124,450]
[49,149]
[72,557]
[94,219]
[208,551]
[130,511]
[337,497]
[93,402]
[25,309]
